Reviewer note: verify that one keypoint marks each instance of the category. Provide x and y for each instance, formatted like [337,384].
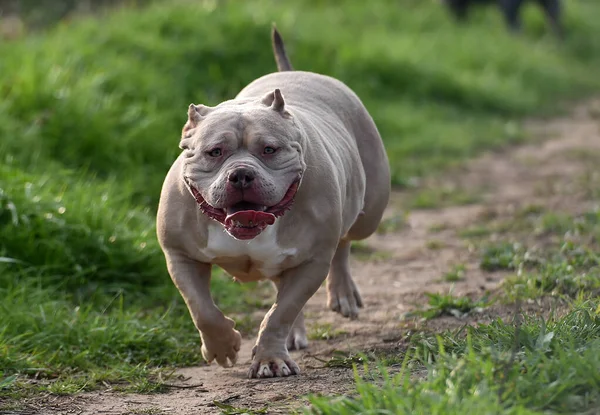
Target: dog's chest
[251,260]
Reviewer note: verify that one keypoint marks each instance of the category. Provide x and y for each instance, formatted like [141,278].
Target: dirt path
[404,264]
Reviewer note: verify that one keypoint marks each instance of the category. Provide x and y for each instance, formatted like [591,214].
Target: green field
[90,114]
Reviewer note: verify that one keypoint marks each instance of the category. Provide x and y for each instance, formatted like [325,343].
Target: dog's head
[243,162]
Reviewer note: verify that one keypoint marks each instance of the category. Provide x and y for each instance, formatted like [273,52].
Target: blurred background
[93,95]
[40,14]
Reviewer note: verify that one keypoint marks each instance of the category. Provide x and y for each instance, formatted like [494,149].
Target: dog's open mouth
[245,220]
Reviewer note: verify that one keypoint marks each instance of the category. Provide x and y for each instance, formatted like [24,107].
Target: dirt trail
[405,263]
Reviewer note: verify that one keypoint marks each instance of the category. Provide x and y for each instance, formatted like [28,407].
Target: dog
[273,184]
[510,9]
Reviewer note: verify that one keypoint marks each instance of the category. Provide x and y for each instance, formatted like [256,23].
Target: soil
[394,274]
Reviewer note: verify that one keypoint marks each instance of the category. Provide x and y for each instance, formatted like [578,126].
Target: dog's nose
[241,178]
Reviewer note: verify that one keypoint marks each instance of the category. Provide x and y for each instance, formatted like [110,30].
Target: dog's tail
[283,63]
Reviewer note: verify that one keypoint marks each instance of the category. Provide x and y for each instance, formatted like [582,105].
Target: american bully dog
[511,10]
[273,184]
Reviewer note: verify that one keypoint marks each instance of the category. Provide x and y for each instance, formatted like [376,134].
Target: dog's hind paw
[297,339]
[343,297]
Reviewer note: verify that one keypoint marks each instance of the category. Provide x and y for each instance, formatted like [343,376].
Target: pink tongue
[251,218]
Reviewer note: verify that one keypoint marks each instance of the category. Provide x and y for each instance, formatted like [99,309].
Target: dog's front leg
[296,286]
[220,341]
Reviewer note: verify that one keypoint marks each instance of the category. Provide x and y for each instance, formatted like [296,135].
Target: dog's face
[243,162]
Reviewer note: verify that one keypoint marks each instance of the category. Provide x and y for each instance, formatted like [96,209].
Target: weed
[502,256]
[555,280]
[569,265]
[554,223]
[324,332]
[447,304]
[475,232]
[456,274]
[434,244]
[345,360]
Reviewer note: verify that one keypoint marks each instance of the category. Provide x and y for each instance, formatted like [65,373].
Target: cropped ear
[276,102]
[196,114]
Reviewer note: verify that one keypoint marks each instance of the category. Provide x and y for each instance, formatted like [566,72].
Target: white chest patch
[262,250]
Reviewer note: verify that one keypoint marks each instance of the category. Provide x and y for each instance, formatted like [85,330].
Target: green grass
[440,196]
[85,297]
[476,231]
[544,367]
[559,258]
[91,110]
[450,305]
[569,267]
[327,331]
[457,273]
[501,256]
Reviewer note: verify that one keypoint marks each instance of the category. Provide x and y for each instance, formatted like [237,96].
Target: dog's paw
[270,367]
[343,297]
[222,347]
[297,339]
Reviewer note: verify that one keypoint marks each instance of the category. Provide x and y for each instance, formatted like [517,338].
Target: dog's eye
[216,152]
[269,150]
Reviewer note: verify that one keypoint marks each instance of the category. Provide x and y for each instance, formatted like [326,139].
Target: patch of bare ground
[394,271]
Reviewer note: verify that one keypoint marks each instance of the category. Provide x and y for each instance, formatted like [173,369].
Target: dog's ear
[276,102]
[196,114]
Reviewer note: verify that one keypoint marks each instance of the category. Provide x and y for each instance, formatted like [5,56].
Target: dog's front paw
[222,346]
[270,365]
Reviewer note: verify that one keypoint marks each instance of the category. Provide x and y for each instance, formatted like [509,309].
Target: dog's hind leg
[458,8]
[511,10]
[553,11]
[342,294]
